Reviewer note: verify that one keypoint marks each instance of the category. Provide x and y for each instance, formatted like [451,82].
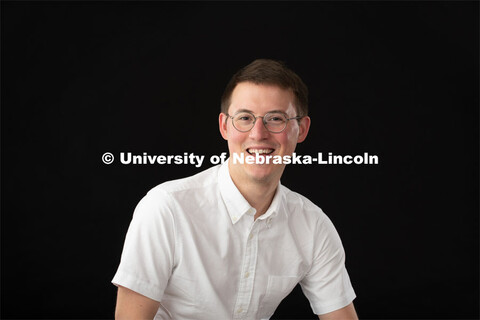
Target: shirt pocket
[278,287]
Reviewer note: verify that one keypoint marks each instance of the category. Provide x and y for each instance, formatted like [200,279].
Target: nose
[259,132]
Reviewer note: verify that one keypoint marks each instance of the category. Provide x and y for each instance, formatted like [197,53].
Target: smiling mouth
[263,151]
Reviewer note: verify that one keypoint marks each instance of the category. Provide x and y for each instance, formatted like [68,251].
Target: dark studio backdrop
[394,79]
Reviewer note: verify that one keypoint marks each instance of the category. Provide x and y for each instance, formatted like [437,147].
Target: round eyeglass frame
[263,120]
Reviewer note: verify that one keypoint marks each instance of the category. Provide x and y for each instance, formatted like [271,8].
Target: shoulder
[299,204]
[308,221]
[166,202]
[302,211]
[169,192]
[202,179]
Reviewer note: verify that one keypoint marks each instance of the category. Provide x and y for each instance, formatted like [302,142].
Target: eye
[275,118]
[244,117]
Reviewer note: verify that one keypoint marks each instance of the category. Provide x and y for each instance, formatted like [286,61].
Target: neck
[259,194]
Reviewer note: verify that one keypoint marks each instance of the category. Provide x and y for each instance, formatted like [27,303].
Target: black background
[395,79]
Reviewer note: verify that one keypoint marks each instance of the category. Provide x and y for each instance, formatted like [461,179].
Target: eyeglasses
[274,122]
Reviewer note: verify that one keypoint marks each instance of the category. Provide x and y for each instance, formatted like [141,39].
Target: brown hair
[265,71]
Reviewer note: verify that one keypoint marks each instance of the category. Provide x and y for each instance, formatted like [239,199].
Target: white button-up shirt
[193,245]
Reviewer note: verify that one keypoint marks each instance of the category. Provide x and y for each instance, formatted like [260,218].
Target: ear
[223,124]
[304,126]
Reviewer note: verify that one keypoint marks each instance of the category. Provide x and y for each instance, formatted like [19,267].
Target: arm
[147,259]
[132,305]
[346,313]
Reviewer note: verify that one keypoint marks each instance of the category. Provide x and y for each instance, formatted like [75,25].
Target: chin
[261,172]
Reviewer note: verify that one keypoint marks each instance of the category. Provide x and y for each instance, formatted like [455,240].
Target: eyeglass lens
[274,121]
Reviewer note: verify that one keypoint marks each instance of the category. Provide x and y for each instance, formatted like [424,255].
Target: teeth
[260,151]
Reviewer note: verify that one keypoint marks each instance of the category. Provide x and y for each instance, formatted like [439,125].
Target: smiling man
[231,242]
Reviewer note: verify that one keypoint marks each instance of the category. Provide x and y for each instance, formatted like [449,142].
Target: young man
[231,242]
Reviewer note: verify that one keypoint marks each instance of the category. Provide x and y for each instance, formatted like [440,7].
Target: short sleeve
[327,285]
[149,250]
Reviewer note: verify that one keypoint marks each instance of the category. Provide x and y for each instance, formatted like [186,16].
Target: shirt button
[247,274]
[239,310]
[250,237]
[235,218]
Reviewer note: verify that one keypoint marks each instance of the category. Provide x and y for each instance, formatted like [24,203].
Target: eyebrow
[247,110]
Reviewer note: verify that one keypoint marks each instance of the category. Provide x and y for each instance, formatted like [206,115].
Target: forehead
[261,98]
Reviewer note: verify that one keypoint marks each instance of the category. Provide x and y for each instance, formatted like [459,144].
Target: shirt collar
[275,205]
[236,204]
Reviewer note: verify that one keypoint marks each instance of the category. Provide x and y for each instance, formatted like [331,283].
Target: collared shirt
[194,245]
